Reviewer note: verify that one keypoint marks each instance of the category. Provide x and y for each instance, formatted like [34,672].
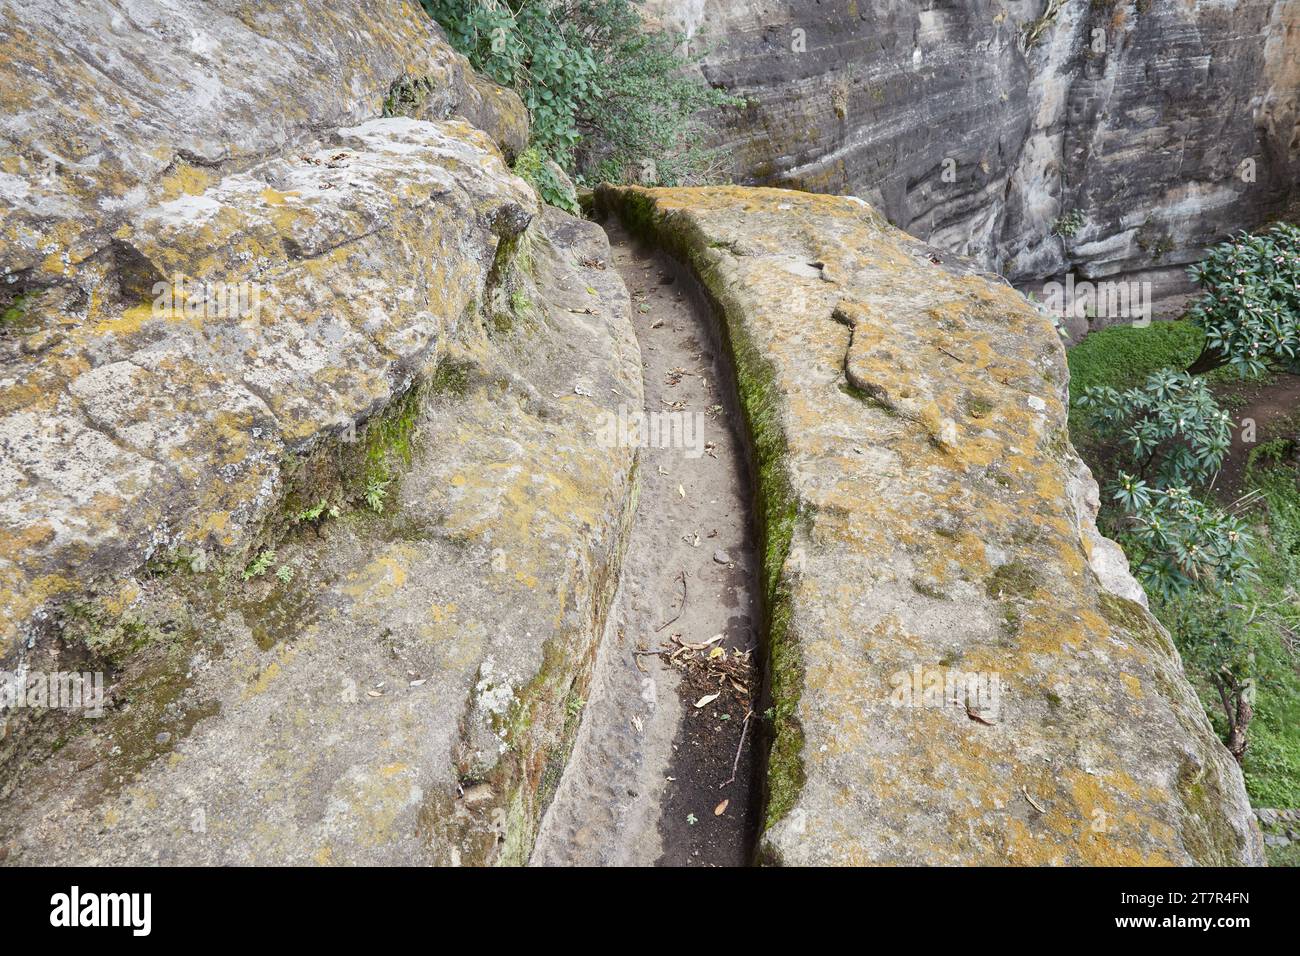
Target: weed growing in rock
[259,565]
[376,492]
[1069,224]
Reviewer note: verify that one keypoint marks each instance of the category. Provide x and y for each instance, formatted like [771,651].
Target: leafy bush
[1250,303]
[607,99]
[1170,437]
[1177,543]
[546,176]
[1170,426]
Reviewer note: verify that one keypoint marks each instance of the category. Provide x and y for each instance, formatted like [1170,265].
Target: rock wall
[979,124]
[295,410]
[961,670]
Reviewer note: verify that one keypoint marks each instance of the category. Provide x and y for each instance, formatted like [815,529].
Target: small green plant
[315,512]
[377,492]
[259,565]
[284,573]
[1069,224]
[1249,306]
[546,176]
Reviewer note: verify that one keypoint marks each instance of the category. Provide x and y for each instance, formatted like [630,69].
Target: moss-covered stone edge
[778,507]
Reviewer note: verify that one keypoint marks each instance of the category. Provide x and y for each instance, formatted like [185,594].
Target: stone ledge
[925,518]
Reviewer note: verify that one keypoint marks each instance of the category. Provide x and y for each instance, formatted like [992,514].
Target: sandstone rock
[298,442]
[956,678]
[1143,119]
[404,694]
[110,105]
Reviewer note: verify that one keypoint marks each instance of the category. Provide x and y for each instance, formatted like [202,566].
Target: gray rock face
[297,427]
[110,104]
[1162,126]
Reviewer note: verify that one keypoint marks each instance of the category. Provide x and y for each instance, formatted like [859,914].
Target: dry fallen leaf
[721,808]
[716,653]
[706,700]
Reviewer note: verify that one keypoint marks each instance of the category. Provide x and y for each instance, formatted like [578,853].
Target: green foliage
[1233,606]
[1170,436]
[1122,356]
[284,573]
[15,316]
[259,565]
[1069,224]
[1250,304]
[546,176]
[315,512]
[1177,543]
[1170,427]
[604,96]
[376,492]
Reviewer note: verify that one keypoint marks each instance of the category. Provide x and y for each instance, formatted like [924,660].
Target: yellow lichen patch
[384,576]
[185,180]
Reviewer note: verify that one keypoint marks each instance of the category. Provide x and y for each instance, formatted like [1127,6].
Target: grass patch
[1122,356]
[1272,763]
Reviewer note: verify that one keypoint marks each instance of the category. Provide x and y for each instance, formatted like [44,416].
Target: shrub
[1170,437]
[1249,306]
[1171,427]
[607,99]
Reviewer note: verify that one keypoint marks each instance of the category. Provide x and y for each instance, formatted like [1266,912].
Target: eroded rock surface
[298,408]
[979,125]
[960,674]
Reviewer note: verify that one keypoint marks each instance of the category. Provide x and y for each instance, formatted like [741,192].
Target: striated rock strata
[978,125]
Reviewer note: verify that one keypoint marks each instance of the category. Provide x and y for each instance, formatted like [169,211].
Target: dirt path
[648,777]
[1273,408]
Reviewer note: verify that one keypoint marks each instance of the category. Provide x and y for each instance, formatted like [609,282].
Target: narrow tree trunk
[1207,361]
[1237,708]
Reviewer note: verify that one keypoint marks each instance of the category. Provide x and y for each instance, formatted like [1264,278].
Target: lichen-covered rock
[960,672]
[398,687]
[298,407]
[219,331]
[108,105]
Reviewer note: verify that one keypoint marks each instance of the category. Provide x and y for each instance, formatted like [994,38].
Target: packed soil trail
[1274,410]
[654,778]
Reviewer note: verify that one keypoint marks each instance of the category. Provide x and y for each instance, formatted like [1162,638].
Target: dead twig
[681,577]
[740,747]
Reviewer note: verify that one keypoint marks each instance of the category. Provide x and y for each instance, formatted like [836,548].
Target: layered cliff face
[1146,130]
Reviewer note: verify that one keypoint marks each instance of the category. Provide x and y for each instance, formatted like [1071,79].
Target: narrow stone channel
[654,778]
